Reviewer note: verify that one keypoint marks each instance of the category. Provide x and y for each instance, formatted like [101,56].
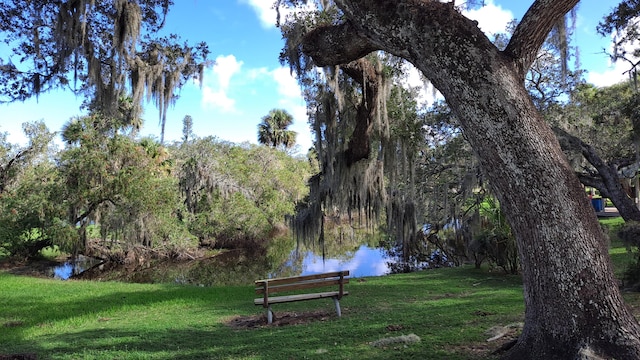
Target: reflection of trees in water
[414,256]
[279,255]
[230,267]
[244,266]
[283,256]
[340,241]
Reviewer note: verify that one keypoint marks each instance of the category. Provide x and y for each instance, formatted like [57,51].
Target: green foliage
[29,181]
[235,194]
[629,233]
[495,240]
[122,184]
[599,132]
[606,118]
[50,252]
[187,128]
[109,194]
[14,158]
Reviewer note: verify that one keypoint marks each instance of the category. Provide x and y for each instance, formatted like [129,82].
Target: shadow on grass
[446,309]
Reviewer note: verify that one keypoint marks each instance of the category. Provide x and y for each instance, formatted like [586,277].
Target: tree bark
[573,306]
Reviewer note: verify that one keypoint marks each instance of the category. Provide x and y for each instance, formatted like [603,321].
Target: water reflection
[365,261]
[284,257]
[63,271]
[74,267]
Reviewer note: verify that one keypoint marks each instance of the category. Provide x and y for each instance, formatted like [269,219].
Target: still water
[73,267]
[365,261]
[284,257]
[361,262]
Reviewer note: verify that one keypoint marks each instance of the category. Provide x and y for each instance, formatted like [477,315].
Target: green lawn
[450,310]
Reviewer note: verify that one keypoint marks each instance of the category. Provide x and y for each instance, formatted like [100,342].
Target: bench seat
[294,284]
[299,297]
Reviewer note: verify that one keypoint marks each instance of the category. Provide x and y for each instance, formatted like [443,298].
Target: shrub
[629,233]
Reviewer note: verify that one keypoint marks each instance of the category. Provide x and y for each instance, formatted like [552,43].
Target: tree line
[110,194]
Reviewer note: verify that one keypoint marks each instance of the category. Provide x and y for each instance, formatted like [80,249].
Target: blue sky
[248,80]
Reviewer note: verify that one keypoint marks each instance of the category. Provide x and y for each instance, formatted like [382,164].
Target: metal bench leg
[337,302]
[269,315]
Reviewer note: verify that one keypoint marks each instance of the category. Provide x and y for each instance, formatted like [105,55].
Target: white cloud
[265,11]
[225,67]
[216,84]
[218,99]
[614,75]
[254,74]
[492,19]
[287,84]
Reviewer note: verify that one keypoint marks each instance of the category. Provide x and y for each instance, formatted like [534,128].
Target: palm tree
[272,131]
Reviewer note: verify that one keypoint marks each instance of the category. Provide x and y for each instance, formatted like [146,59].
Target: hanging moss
[351,110]
[100,42]
[368,158]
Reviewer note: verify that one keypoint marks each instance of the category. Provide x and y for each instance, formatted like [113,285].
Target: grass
[450,310]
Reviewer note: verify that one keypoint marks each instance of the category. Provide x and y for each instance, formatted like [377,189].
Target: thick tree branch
[333,45]
[92,207]
[5,170]
[532,31]
[376,25]
[608,183]
[594,182]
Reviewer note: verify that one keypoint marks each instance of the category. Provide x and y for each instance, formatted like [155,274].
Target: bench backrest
[270,286]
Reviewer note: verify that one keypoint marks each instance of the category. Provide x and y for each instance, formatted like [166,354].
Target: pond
[284,257]
[365,261]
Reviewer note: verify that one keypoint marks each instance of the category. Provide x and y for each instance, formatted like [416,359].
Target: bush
[499,249]
[629,233]
[495,241]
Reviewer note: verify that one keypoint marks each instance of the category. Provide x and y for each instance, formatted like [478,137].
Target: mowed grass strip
[449,310]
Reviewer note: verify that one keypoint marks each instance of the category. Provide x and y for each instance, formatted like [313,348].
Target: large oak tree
[573,306]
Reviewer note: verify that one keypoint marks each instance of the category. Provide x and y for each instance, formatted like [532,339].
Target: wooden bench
[280,285]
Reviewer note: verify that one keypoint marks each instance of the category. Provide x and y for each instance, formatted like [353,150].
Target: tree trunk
[573,306]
